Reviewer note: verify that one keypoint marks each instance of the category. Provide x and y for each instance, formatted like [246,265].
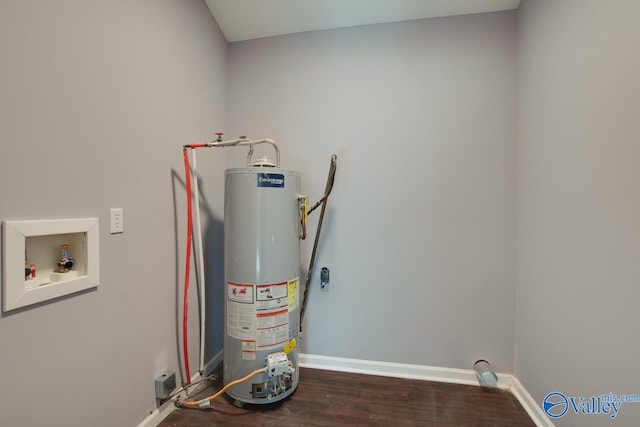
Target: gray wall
[420,234]
[578,202]
[96,100]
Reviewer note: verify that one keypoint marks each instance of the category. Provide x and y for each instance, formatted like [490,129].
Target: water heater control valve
[278,364]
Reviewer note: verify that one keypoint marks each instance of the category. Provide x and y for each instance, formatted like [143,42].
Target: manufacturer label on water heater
[272,180]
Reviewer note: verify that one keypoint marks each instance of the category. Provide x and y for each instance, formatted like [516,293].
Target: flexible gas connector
[206,402]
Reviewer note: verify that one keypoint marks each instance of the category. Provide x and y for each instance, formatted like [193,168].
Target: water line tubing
[323,201]
[185,298]
[199,263]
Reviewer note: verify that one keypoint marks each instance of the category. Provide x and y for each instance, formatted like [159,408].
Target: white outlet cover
[116,216]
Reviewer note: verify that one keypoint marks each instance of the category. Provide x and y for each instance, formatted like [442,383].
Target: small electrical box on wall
[46,259]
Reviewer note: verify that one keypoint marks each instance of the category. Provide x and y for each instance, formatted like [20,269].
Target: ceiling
[254,19]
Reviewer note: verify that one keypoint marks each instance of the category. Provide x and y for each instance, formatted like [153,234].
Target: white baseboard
[159,414]
[530,405]
[427,373]
[387,369]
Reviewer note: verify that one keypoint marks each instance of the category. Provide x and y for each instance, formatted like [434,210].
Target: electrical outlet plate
[116,224]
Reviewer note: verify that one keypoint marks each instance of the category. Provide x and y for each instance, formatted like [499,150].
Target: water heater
[263,211]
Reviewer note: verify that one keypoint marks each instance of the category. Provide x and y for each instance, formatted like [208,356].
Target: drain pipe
[323,201]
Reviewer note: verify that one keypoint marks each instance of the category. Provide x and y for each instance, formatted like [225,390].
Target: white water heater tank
[262,228]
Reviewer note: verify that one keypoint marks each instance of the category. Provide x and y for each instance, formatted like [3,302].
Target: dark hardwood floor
[328,398]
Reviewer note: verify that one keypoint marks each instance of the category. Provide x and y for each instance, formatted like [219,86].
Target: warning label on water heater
[241,312]
[248,350]
[273,180]
[259,314]
[272,296]
[293,293]
[240,293]
[272,314]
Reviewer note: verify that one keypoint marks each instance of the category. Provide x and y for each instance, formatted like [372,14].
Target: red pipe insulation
[185,303]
